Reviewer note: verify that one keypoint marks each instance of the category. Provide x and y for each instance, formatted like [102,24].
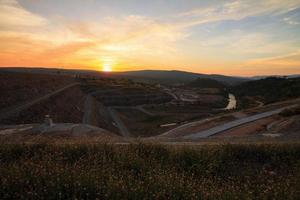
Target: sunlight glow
[106,67]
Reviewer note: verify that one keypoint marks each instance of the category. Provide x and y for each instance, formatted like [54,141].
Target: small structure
[48,121]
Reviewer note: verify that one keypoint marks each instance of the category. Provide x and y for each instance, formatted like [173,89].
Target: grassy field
[83,171]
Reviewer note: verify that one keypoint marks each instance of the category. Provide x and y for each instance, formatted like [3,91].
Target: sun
[106,67]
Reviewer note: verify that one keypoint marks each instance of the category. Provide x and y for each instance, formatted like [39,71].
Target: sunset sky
[239,37]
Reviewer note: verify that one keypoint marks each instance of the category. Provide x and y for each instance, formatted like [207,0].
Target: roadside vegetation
[86,171]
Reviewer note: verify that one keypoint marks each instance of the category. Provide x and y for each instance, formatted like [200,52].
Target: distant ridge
[152,76]
[277,76]
[41,70]
[179,77]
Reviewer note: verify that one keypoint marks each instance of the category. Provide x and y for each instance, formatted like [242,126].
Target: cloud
[12,15]
[290,59]
[126,28]
[128,38]
[130,34]
[283,64]
[290,21]
[139,40]
[237,10]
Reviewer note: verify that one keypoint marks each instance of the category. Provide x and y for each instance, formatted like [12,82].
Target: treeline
[206,83]
[269,90]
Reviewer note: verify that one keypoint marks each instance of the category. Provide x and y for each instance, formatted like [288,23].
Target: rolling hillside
[152,76]
[177,77]
[206,83]
[270,89]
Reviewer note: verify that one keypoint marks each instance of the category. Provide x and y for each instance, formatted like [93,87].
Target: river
[231,103]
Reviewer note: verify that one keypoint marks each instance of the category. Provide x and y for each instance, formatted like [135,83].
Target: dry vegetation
[17,88]
[86,171]
[123,92]
[141,124]
[64,107]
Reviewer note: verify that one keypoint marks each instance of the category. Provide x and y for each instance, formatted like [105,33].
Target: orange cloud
[138,42]
[12,15]
[284,64]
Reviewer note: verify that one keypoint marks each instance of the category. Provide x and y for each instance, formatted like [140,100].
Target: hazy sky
[238,37]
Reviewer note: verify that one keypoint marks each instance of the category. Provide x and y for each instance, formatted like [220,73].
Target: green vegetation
[92,85]
[154,118]
[268,90]
[206,83]
[124,92]
[206,86]
[81,171]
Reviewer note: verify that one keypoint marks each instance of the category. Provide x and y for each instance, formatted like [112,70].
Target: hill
[277,76]
[206,83]
[51,71]
[151,76]
[177,77]
[269,89]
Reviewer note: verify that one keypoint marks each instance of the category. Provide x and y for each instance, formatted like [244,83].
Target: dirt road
[122,128]
[16,109]
[90,111]
[186,128]
[235,123]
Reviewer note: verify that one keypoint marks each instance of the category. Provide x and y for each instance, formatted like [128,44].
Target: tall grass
[79,171]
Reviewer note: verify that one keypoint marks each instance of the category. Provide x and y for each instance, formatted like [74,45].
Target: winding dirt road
[229,125]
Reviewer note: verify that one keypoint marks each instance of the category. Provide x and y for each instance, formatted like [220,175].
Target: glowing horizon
[235,37]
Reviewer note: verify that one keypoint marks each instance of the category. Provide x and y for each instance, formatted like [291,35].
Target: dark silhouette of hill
[56,71]
[152,76]
[206,83]
[270,89]
[178,77]
[277,76]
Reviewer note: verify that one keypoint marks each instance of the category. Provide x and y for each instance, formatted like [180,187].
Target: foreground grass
[149,172]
